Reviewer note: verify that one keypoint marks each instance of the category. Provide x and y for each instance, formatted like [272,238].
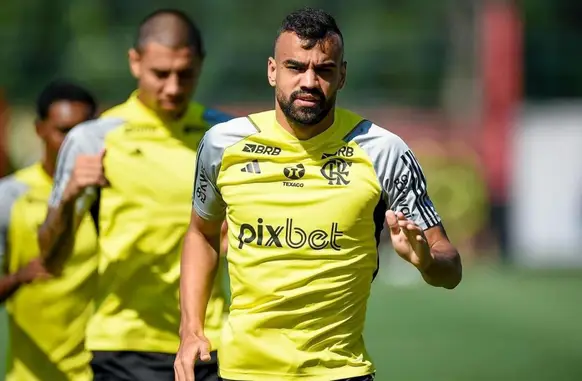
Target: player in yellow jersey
[47,314]
[132,165]
[305,190]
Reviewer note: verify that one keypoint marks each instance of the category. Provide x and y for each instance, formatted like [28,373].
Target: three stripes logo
[415,182]
[252,167]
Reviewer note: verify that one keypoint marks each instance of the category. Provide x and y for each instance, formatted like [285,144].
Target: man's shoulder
[95,128]
[368,134]
[11,188]
[91,134]
[225,134]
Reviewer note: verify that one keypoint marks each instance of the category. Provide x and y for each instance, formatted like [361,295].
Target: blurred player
[305,190]
[47,315]
[135,165]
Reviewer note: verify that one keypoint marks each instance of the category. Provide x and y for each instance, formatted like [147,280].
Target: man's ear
[38,126]
[343,74]
[272,71]
[134,62]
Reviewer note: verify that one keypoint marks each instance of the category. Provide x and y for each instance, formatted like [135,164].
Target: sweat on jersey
[142,219]
[46,319]
[304,218]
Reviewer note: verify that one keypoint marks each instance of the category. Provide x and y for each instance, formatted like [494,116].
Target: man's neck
[48,166]
[303,132]
[164,117]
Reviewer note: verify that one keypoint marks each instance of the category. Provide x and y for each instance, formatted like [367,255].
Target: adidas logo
[252,167]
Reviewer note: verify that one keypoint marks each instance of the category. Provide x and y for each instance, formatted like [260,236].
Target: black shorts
[369,377]
[145,366]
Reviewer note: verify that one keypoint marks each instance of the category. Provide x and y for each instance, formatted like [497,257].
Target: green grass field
[499,325]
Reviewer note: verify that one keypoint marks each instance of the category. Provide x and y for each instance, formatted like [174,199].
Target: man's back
[143,215]
[47,319]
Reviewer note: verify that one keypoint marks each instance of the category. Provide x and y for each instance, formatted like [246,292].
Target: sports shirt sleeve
[406,187]
[85,139]
[10,191]
[207,200]
[403,183]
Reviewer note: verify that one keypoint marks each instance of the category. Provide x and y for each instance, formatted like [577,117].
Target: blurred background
[488,93]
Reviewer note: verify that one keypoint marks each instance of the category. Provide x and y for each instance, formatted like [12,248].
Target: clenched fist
[88,172]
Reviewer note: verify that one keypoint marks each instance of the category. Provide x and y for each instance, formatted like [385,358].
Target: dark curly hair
[63,90]
[311,25]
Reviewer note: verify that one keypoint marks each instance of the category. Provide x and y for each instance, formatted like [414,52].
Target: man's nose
[309,79]
[172,85]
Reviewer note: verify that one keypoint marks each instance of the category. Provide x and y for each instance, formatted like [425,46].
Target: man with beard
[305,190]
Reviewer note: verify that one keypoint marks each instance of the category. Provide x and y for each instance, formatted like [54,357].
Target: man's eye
[161,74]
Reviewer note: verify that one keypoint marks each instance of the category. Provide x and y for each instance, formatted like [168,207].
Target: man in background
[47,313]
[134,167]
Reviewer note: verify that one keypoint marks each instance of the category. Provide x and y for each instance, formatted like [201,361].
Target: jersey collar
[140,113]
[315,141]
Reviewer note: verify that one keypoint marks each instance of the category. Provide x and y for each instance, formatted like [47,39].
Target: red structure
[501,32]
[3,135]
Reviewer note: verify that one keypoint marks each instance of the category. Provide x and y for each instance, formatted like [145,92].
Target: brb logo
[294,237]
[262,149]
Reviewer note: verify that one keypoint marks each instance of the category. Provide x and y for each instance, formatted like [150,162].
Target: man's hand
[88,172]
[34,270]
[192,347]
[409,240]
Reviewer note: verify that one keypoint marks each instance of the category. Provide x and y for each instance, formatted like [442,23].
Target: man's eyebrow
[292,62]
[325,65]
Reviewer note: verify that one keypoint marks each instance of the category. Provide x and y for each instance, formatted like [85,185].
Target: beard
[305,115]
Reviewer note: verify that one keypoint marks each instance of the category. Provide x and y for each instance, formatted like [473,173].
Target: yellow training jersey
[304,218]
[143,217]
[47,319]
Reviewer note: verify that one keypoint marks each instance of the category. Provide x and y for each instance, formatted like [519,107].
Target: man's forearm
[57,235]
[9,284]
[446,269]
[198,270]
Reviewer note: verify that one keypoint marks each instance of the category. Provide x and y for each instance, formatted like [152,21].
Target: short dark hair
[170,27]
[311,25]
[63,90]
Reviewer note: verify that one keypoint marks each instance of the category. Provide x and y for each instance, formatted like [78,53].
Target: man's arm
[78,173]
[10,190]
[56,236]
[198,268]
[202,243]
[445,270]
[200,256]
[10,283]
[434,255]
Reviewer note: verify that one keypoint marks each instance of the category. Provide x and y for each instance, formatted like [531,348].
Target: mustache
[314,93]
